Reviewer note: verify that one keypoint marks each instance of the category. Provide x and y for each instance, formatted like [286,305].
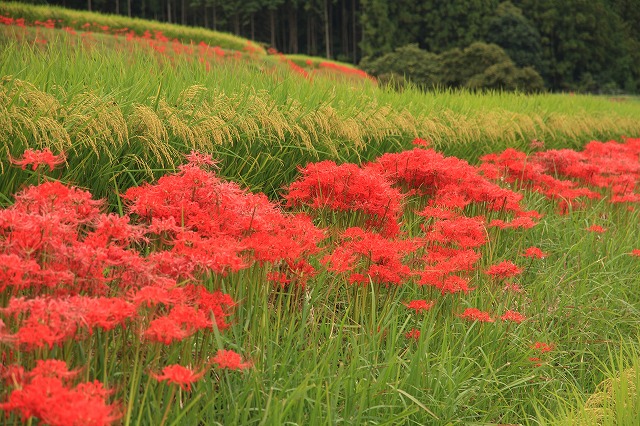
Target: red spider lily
[504,269]
[465,232]
[534,253]
[474,314]
[37,158]
[46,321]
[601,164]
[279,278]
[452,181]
[55,238]
[345,70]
[195,312]
[542,347]
[227,359]
[441,262]
[449,260]
[179,375]
[47,394]
[455,284]
[369,256]
[165,330]
[597,229]
[536,360]
[6,20]
[513,316]
[154,294]
[635,252]
[200,159]
[515,166]
[190,318]
[348,188]
[414,334]
[222,227]
[420,305]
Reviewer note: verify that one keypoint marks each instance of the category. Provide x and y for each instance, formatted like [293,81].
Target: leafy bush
[478,66]
[410,62]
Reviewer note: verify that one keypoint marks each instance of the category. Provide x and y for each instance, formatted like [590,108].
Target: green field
[322,219]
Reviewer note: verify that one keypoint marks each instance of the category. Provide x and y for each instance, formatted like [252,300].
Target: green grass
[329,353]
[314,61]
[77,19]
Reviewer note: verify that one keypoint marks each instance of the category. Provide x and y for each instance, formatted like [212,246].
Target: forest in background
[590,46]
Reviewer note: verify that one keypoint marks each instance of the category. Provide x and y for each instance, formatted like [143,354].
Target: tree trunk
[354,39]
[204,13]
[169,11]
[236,23]
[89,5]
[293,30]
[129,8]
[344,23]
[272,24]
[117,7]
[183,13]
[214,16]
[327,37]
[253,26]
[313,42]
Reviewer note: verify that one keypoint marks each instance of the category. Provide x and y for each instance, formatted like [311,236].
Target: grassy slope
[273,119]
[124,115]
[78,19]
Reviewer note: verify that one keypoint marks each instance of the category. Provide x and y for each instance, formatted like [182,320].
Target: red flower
[536,360]
[534,253]
[414,333]
[542,347]
[349,188]
[165,330]
[635,252]
[39,157]
[230,360]
[179,375]
[474,314]
[596,229]
[199,159]
[513,287]
[504,269]
[514,316]
[420,305]
[454,284]
[45,393]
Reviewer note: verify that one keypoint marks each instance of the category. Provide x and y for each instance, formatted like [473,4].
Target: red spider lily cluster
[610,165]
[48,393]
[349,188]
[69,271]
[155,40]
[172,49]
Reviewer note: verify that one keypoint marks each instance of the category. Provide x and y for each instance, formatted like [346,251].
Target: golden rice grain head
[38,101]
[96,123]
[191,96]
